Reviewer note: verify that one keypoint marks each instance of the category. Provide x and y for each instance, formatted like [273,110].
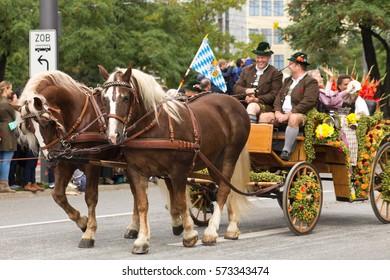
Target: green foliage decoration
[305,199]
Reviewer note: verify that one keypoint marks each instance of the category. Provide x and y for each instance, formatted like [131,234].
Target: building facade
[261,17]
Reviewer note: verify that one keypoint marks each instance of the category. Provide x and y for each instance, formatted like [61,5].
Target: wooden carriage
[302,209]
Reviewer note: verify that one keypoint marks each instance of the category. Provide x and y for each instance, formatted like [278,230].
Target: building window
[278,38]
[279,61]
[253,7]
[267,32]
[266,7]
[278,8]
[254,31]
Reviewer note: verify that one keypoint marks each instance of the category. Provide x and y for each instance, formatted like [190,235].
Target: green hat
[194,86]
[263,49]
[299,57]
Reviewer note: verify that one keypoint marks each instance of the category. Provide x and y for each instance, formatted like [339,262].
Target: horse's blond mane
[58,78]
[152,93]
[31,90]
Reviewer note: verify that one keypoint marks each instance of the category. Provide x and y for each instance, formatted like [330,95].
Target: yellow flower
[324,131]
[352,118]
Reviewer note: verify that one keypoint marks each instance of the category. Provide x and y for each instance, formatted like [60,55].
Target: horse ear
[103,72]
[127,74]
[38,104]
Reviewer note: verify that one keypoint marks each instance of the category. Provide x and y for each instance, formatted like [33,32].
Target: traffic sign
[43,51]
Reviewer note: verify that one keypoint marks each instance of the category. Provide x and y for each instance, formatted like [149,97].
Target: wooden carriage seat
[264,138]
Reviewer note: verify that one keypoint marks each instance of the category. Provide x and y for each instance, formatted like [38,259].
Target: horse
[163,137]
[63,116]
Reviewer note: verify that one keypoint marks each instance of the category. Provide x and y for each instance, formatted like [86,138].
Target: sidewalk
[69,191]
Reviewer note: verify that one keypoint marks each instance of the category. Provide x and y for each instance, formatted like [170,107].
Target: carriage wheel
[380,178]
[201,204]
[302,198]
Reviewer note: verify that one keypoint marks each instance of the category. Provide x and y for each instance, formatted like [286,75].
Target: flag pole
[189,67]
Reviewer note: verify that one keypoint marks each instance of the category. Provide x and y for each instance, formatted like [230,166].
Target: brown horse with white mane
[162,137]
[66,117]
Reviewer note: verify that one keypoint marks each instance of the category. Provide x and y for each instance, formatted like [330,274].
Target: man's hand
[250,98]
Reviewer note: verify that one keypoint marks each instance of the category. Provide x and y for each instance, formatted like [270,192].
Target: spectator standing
[259,84]
[227,70]
[240,63]
[8,137]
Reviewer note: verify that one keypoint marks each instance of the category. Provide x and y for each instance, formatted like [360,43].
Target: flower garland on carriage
[371,132]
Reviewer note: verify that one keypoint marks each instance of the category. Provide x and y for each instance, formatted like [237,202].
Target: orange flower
[302,189]
[300,59]
[299,196]
[316,195]
[364,186]
[363,193]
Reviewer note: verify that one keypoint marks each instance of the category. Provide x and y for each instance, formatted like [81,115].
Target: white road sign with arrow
[43,51]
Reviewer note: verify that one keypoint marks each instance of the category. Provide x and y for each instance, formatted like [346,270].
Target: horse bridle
[61,136]
[134,92]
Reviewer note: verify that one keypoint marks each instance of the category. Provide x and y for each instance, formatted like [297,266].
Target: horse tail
[236,202]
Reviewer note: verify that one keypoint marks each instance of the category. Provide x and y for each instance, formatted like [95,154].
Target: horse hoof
[191,242]
[131,234]
[210,241]
[178,230]
[232,235]
[138,250]
[86,243]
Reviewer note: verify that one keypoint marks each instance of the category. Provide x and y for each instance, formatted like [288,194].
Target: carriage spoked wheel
[302,198]
[380,184]
[201,203]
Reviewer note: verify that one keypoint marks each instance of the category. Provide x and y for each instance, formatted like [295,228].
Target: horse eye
[125,98]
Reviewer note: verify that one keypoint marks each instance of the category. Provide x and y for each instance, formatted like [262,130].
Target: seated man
[297,96]
[259,83]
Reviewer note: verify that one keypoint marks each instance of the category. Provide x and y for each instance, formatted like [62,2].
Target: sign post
[43,51]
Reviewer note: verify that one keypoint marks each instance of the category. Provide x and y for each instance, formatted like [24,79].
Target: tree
[160,37]
[322,28]
[17,18]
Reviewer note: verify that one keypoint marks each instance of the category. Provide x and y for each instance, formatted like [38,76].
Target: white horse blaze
[112,123]
[39,137]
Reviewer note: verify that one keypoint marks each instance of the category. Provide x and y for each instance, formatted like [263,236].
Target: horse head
[38,122]
[120,98]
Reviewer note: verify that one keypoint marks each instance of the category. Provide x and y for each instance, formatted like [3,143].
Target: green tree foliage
[160,37]
[335,32]
[17,17]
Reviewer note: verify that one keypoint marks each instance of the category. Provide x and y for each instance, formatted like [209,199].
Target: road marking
[61,221]
[245,235]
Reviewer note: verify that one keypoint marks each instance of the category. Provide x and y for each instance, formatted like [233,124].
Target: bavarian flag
[205,63]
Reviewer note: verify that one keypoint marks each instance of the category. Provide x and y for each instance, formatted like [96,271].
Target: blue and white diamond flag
[205,63]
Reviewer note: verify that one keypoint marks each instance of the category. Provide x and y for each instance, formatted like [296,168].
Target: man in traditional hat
[193,88]
[297,96]
[259,83]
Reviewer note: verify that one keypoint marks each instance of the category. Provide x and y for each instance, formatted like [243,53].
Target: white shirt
[287,106]
[259,72]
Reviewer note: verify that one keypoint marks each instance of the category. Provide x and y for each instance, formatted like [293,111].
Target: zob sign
[43,51]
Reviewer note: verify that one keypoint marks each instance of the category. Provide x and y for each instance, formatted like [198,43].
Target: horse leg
[210,234]
[236,203]
[177,223]
[133,228]
[141,244]
[179,205]
[91,198]
[62,173]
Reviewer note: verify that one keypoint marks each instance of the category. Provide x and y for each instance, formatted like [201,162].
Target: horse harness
[66,139]
[171,143]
